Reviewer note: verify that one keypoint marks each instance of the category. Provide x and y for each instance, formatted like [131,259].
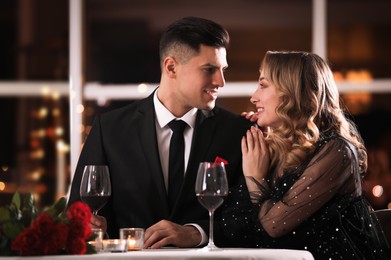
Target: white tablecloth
[186,254]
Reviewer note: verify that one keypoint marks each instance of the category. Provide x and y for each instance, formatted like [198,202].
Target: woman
[303,167]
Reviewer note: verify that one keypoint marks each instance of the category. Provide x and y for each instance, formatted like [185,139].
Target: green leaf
[15,212]
[27,217]
[12,229]
[29,202]
[28,211]
[90,249]
[4,214]
[57,208]
[5,247]
[60,205]
[16,200]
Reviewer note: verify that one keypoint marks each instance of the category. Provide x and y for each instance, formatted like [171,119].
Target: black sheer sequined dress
[318,207]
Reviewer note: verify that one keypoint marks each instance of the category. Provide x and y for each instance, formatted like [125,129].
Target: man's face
[199,79]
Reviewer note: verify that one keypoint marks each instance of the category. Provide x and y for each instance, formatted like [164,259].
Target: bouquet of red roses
[54,231]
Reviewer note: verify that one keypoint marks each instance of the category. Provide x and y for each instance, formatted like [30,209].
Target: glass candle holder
[134,238]
[114,245]
[97,239]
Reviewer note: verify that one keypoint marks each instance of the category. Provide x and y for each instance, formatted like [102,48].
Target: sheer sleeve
[327,174]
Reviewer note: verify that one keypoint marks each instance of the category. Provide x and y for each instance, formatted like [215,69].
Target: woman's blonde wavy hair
[310,105]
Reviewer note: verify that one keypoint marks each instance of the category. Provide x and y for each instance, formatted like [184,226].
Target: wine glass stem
[211,239]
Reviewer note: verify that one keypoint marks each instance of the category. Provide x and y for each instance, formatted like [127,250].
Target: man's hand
[166,233]
[98,222]
[251,115]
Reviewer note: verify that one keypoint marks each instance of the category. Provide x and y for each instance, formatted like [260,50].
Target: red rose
[49,235]
[76,246]
[26,243]
[79,210]
[79,216]
[43,237]
[42,224]
[78,229]
[58,239]
[29,241]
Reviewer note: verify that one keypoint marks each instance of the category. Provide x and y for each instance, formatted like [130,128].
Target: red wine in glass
[211,188]
[211,202]
[95,188]
[96,202]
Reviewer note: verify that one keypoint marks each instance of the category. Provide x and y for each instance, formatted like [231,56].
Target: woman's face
[266,101]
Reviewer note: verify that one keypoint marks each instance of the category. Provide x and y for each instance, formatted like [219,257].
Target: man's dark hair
[192,32]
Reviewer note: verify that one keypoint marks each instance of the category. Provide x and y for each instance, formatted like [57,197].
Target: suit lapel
[202,139]
[147,134]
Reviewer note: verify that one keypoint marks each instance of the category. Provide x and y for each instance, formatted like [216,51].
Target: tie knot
[177,126]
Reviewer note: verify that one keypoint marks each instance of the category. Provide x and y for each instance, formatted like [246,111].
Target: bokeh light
[377,191]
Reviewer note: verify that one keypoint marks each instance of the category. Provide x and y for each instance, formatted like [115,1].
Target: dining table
[184,254]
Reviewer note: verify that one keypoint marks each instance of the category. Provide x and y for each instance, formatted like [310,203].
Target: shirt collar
[164,116]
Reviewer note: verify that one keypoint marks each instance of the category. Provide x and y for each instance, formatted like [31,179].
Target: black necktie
[176,163]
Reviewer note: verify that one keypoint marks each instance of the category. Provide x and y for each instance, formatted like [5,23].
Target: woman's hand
[255,154]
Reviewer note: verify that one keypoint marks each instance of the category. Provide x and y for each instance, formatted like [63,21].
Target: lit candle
[114,245]
[134,238]
[133,244]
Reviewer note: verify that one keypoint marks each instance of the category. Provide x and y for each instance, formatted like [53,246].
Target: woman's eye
[263,84]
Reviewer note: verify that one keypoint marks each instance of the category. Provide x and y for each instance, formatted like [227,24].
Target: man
[134,141]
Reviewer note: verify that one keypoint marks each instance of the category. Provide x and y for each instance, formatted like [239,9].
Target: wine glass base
[209,248]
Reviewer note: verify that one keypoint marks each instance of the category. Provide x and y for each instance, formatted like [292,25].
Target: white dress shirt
[164,133]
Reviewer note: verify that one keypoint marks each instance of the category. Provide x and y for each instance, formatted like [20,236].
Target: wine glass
[211,188]
[95,188]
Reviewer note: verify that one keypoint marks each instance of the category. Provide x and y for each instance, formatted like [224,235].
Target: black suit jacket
[125,140]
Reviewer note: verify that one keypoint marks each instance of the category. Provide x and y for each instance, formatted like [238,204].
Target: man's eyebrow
[213,66]
[209,65]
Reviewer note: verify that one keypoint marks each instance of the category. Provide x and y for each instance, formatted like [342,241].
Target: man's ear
[169,66]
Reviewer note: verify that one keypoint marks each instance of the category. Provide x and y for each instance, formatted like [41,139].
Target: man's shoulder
[223,113]
[229,119]
[128,110]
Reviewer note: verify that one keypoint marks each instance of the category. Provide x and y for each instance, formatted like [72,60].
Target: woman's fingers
[253,141]
[244,145]
[250,140]
[262,141]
